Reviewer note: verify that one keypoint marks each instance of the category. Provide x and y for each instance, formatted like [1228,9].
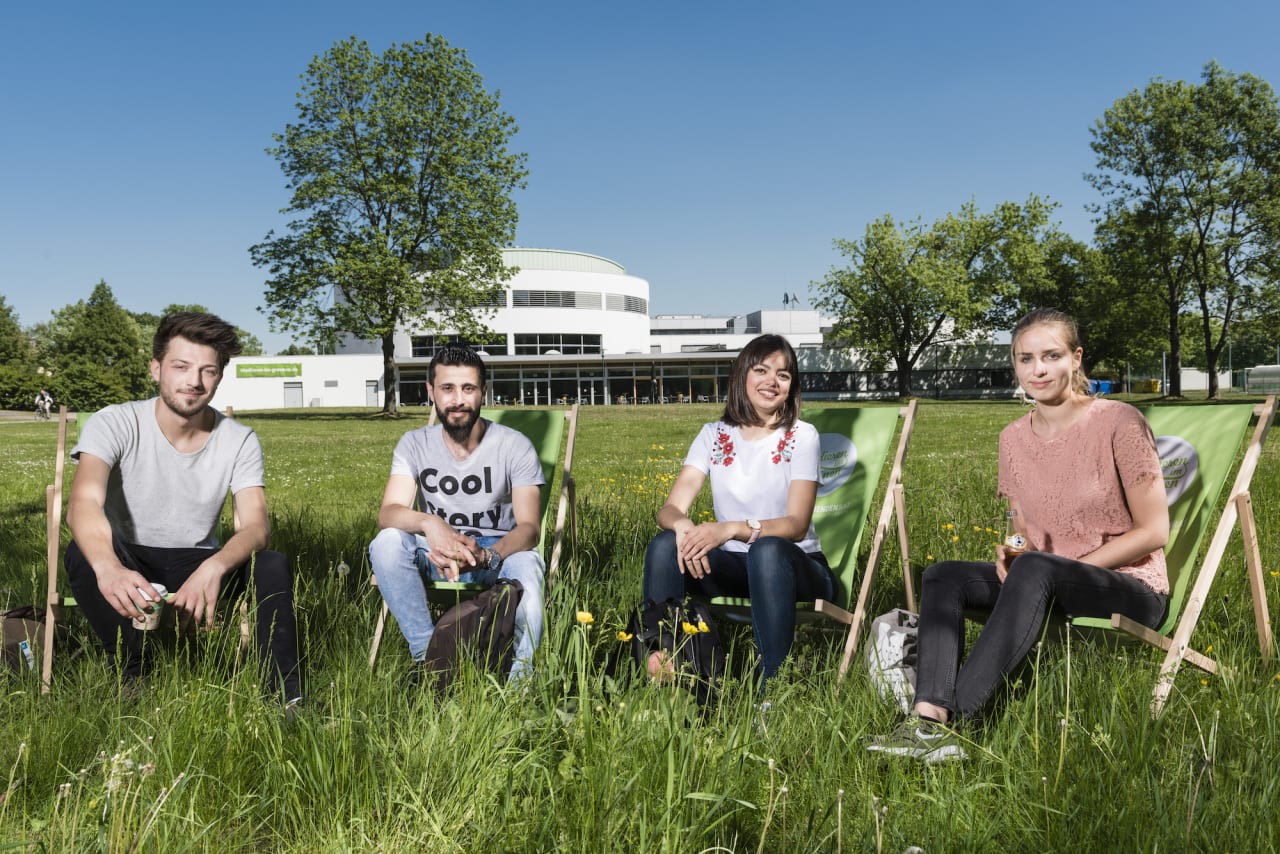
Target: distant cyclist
[44,404]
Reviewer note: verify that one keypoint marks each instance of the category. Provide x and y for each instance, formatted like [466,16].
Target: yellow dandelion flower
[624,636]
[585,618]
[928,557]
[948,527]
[1275,574]
[689,628]
[703,627]
[955,538]
[978,528]
[1208,649]
[1204,681]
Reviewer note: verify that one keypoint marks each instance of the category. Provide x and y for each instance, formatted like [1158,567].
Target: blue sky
[714,149]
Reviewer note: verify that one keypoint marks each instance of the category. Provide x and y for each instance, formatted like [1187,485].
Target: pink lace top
[1071,488]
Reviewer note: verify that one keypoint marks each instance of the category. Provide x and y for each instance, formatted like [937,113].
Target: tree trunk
[904,377]
[1175,358]
[389,385]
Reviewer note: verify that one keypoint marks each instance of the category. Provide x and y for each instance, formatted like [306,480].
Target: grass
[591,758]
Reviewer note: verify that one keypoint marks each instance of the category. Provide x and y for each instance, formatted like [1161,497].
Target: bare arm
[695,542]
[449,549]
[197,598]
[526,505]
[1149,507]
[87,519]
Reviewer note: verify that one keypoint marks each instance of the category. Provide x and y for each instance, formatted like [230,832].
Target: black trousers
[1037,582]
[277,632]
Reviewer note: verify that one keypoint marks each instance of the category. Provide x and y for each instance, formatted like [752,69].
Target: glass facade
[594,382]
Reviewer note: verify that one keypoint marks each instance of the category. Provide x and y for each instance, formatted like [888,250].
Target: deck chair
[53,541]
[855,444]
[56,601]
[1198,448]
[545,428]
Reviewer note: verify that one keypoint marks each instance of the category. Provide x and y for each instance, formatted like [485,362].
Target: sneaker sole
[944,753]
[896,750]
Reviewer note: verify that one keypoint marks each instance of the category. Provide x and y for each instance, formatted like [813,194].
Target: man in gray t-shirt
[150,484]
[462,504]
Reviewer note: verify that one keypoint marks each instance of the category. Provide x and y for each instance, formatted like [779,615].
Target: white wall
[259,382]
[1197,380]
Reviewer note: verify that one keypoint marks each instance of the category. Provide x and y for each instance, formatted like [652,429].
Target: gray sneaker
[918,738]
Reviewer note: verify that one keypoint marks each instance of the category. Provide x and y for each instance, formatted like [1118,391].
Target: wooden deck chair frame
[55,602]
[566,429]
[1226,425]
[855,444]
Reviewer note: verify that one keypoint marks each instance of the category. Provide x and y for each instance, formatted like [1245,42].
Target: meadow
[590,757]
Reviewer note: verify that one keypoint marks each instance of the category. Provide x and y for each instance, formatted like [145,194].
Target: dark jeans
[775,574]
[273,588]
[1037,581]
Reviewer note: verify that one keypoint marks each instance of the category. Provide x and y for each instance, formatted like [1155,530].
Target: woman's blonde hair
[1070,336]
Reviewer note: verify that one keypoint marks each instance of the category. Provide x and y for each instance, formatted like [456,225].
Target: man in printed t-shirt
[476,487]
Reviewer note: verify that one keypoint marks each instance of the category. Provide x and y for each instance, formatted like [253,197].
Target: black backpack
[480,630]
[686,632]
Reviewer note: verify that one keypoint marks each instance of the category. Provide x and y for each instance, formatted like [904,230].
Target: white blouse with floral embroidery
[750,479]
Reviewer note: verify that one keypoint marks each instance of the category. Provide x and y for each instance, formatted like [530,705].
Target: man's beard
[180,407]
[460,432]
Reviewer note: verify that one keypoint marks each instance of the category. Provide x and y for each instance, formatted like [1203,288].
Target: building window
[622,302]
[556,299]
[567,344]
[426,346]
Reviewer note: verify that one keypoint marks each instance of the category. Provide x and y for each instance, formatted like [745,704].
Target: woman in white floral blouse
[762,461]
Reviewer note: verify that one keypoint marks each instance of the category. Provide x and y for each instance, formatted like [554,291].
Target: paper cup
[150,619]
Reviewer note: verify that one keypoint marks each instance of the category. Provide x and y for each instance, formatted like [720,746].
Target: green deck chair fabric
[546,429]
[1198,447]
[855,445]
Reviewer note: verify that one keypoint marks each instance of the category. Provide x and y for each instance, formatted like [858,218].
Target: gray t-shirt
[472,495]
[157,496]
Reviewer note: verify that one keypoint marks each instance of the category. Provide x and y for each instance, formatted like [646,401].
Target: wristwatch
[754,525]
[495,559]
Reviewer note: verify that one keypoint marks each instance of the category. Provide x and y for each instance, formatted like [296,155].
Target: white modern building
[694,333]
[287,382]
[574,327]
[559,303]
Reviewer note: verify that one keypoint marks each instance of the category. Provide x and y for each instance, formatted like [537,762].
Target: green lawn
[591,758]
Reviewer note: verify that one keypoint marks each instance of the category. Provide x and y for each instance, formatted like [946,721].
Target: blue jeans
[1037,581]
[774,573]
[401,565]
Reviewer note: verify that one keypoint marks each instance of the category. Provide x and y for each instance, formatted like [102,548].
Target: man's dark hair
[738,410]
[200,328]
[457,355]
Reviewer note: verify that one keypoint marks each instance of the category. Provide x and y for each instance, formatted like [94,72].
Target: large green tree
[911,286]
[94,351]
[1191,180]
[402,180]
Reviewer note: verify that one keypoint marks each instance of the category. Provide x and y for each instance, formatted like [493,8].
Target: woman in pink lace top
[1086,494]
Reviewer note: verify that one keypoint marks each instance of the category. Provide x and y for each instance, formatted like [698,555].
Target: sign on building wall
[269,369]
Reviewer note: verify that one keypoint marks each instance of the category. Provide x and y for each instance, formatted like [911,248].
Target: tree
[1192,180]
[402,178]
[15,347]
[95,352]
[296,350]
[910,287]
